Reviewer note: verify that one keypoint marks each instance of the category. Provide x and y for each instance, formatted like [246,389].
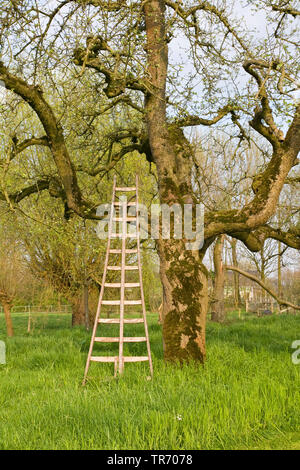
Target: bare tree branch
[280,301]
[196,121]
[16,197]
[290,238]
[286,10]
[263,113]
[33,95]
[208,7]
[20,147]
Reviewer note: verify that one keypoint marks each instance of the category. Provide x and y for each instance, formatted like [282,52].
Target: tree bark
[184,277]
[185,302]
[279,270]
[8,319]
[78,311]
[218,310]
[86,305]
[236,277]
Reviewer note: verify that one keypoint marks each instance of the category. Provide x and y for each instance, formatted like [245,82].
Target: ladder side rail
[122,296]
[102,285]
[141,277]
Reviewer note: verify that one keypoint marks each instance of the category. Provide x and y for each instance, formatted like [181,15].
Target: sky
[253,19]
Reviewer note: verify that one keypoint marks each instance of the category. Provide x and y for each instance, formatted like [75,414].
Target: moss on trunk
[184,280]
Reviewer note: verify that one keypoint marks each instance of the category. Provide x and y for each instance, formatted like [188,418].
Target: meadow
[246,396]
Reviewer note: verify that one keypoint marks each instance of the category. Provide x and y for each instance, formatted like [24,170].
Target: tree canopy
[101,79]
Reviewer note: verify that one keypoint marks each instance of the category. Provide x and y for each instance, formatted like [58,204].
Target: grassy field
[247,395]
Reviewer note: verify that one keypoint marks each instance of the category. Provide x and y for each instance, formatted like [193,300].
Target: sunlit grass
[246,396]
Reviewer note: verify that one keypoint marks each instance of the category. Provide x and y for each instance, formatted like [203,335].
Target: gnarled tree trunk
[185,302]
[184,277]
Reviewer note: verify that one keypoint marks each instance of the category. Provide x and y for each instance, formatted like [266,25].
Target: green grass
[246,396]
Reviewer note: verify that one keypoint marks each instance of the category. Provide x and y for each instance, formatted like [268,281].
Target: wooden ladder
[123,218]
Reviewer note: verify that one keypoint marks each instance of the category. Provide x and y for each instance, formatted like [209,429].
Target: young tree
[14,278]
[65,255]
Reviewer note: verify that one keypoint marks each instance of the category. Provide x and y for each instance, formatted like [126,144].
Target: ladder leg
[102,289]
[116,368]
[124,230]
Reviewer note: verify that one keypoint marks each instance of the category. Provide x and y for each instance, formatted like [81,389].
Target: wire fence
[32,309]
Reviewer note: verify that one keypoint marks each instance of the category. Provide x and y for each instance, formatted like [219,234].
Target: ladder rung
[118,268]
[116,359]
[118,203]
[134,339]
[118,302]
[104,339]
[132,188]
[120,219]
[135,358]
[127,339]
[128,250]
[118,284]
[104,358]
[117,320]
